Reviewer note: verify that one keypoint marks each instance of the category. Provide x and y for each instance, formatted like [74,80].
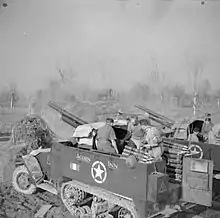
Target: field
[15,205]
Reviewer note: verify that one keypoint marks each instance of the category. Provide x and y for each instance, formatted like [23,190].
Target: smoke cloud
[106,43]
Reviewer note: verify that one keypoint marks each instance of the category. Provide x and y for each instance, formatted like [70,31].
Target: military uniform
[207,127]
[104,137]
[153,142]
[137,135]
[130,127]
[132,123]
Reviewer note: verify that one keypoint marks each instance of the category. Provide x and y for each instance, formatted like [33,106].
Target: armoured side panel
[107,172]
[55,159]
[33,166]
[45,162]
[197,181]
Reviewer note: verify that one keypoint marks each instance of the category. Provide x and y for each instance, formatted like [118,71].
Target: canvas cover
[86,141]
[84,131]
[121,122]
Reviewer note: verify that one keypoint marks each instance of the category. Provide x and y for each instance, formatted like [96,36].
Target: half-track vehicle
[182,129]
[130,184]
[179,133]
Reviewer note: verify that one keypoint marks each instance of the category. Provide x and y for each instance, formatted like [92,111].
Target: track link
[111,198]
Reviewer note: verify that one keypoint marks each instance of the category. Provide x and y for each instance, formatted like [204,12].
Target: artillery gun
[176,129]
[180,131]
[83,129]
[131,184]
[162,120]
[66,116]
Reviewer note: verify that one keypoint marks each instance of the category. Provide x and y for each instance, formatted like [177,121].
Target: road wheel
[21,181]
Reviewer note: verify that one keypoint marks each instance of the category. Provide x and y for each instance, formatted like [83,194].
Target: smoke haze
[107,42]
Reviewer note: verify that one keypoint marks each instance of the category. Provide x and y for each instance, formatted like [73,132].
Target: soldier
[207,126]
[133,121]
[194,136]
[152,140]
[106,139]
[137,133]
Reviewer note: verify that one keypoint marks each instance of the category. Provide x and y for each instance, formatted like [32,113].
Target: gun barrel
[69,121]
[55,107]
[66,116]
[157,117]
[153,113]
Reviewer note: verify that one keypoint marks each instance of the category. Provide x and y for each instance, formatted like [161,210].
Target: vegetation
[156,93]
[175,95]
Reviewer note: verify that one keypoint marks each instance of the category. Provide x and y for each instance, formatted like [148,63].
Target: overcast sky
[100,39]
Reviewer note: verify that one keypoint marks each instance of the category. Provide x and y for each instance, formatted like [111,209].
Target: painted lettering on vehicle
[112,165]
[83,158]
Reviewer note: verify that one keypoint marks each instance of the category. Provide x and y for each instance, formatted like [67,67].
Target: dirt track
[16,205]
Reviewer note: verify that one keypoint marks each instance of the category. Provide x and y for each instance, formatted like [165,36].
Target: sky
[108,42]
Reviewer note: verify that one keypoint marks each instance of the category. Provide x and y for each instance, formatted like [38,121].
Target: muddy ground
[16,205]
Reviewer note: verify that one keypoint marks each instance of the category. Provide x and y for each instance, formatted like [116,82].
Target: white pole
[32,104]
[194,104]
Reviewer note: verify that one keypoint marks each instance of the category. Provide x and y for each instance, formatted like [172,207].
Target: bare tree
[154,77]
[217,96]
[204,89]
[158,83]
[178,93]
[67,79]
[196,67]
[14,95]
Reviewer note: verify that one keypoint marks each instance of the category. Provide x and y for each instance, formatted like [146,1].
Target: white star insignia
[98,172]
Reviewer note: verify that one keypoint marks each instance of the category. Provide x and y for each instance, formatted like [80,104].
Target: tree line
[176,94]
